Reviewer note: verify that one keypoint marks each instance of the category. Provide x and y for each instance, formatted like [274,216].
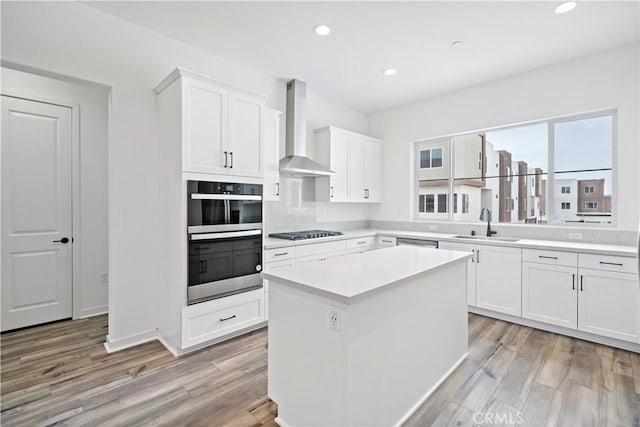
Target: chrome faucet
[485,215]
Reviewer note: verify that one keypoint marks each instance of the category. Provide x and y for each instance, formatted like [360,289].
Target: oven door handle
[227,235]
[227,212]
[200,196]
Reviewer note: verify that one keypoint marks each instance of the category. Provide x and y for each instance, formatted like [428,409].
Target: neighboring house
[581,201]
[565,200]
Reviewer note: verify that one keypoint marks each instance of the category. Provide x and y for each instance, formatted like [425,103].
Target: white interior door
[36,213]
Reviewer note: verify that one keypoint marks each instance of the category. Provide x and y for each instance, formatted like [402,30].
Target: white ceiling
[499,39]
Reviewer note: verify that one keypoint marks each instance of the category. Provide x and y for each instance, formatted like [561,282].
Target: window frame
[551,122]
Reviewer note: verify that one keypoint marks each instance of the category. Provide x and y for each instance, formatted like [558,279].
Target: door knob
[63,240]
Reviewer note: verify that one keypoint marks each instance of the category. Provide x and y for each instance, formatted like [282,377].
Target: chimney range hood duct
[295,162]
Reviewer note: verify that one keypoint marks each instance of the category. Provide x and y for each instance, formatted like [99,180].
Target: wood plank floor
[59,374]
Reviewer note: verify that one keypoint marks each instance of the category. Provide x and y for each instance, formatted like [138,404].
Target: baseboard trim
[429,392]
[612,342]
[93,311]
[171,348]
[281,422]
[131,341]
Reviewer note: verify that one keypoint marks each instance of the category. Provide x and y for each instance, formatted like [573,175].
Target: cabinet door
[339,163]
[608,304]
[372,164]
[498,279]
[356,169]
[549,294]
[271,144]
[245,135]
[205,128]
[471,267]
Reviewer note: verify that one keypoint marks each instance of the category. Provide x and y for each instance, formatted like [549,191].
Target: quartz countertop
[350,279]
[524,243]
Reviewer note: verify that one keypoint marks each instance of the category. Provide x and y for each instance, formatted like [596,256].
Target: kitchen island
[364,339]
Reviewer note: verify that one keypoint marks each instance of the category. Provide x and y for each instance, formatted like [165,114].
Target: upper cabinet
[222,127]
[271,145]
[357,162]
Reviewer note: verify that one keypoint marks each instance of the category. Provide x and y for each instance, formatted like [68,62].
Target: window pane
[421,203]
[436,158]
[425,159]
[503,171]
[583,157]
[430,203]
[442,203]
[455,203]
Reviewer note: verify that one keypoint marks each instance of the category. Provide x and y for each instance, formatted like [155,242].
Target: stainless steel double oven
[225,239]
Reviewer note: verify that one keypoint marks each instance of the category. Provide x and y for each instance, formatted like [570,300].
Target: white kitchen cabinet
[213,319]
[373,170]
[332,150]
[471,267]
[609,302]
[220,128]
[386,241]
[271,144]
[549,294]
[498,279]
[361,244]
[357,162]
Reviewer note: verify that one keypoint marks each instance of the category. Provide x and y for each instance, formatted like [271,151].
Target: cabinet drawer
[319,257]
[320,248]
[608,263]
[361,242]
[212,319]
[360,250]
[279,254]
[569,259]
[384,241]
[280,264]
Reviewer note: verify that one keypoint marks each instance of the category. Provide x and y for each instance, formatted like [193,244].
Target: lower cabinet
[498,271]
[608,304]
[471,267]
[549,294]
[557,289]
[212,319]
[493,276]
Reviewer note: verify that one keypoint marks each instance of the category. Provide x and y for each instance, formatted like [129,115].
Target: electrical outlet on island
[335,318]
[575,236]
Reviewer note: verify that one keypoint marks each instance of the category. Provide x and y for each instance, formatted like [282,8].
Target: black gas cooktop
[306,234]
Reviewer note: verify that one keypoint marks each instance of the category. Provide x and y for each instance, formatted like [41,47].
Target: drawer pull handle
[361,243]
[387,241]
[619,264]
[547,257]
[282,253]
[228,318]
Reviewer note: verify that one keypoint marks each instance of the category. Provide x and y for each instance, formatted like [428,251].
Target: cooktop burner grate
[306,234]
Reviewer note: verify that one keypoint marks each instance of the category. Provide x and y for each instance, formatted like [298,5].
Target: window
[507,171]
[429,203]
[442,203]
[431,158]
[421,203]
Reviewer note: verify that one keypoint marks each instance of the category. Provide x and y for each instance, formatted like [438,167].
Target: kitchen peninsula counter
[364,339]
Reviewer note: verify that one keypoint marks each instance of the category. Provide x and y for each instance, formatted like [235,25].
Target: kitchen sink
[499,239]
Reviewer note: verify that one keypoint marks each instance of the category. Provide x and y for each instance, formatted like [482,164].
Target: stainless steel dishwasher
[417,242]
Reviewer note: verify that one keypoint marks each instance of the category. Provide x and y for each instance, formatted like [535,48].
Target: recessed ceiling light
[322,29]
[565,7]
[456,43]
[390,71]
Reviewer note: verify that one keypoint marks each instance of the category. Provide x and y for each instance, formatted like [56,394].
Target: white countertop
[353,278]
[595,248]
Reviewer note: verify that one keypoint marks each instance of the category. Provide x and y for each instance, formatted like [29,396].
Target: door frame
[75,188]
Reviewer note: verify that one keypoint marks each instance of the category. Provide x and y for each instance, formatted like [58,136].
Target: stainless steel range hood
[295,162]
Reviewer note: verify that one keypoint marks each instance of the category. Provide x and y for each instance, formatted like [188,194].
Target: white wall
[92,101]
[76,40]
[605,80]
